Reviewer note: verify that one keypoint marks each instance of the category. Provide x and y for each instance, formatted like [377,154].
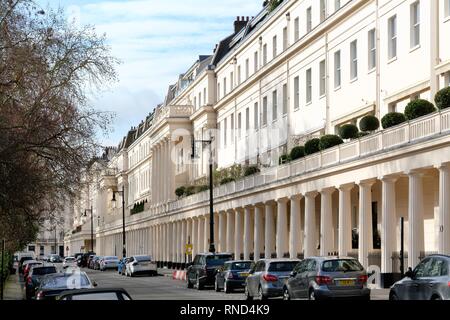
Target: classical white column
[230,231]
[259,232]
[201,234]
[310,224]
[269,234]
[326,222]
[365,221]
[175,238]
[238,236]
[158,173]
[282,228]
[345,222]
[295,233]
[222,232]
[182,241]
[216,232]
[195,248]
[189,236]
[153,176]
[206,237]
[248,240]
[416,244]
[171,171]
[164,171]
[163,242]
[168,241]
[388,222]
[444,209]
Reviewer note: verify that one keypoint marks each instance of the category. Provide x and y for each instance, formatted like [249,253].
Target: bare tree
[48,131]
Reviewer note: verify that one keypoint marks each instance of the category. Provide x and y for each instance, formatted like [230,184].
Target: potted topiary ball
[312,146]
[348,131]
[297,152]
[442,99]
[392,119]
[329,141]
[369,123]
[418,108]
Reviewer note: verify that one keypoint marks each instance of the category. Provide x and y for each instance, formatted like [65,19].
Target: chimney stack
[240,23]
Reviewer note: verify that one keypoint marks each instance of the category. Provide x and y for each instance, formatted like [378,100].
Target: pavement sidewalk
[13,289]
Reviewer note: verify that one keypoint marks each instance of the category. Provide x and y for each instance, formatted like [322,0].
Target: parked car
[318,278]
[21,261]
[27,265]
[54,258]
[430,280]
[121,267]
[53,285]
[69,262]
[90,260]
[202,271]
[34,278]
[85,258]
[232,275]
[109,262]
[268,277]
[79,261]
[95,294]
[141,265]
[97,262]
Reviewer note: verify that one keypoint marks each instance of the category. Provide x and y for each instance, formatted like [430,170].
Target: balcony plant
[348,131]
[201,188]
[369,123]
[312,146]
[442,99]
[190,190]
[297,152]
[329,141]
[392,119]
[285,158]
[226,180]
[418,108]
[180,192]
[272,4]
[251,170]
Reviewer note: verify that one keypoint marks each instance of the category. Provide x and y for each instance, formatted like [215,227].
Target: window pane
[256,115]
[285,98]
[308,19]
[337,69]
[415,24]
[392,37]
[322,78]
[353,60]
[264,118]
[308,86]
[296,29]
[274,105]
[372,50]
[296,93]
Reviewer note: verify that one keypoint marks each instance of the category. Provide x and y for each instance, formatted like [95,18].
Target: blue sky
[156,40]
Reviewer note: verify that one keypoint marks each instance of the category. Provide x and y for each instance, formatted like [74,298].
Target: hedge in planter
[201,188]
[312,146]
[442,99]
[418,108]
[329,141]
[297,153]
[284,159]
[348,131]
[190,191]
[180,191]
[251,171]
[226,180]
[392,119]
[369,123]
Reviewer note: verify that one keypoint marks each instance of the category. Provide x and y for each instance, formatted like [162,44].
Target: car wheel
[198,284]
[247,294]
[226,289]
[286,295]
[216,286]
[311,295]
[436,298]
[393,297]
[188,283]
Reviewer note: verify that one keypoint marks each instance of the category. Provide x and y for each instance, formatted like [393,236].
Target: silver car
[430,280]
[109,262]
[267,278]
[327,278]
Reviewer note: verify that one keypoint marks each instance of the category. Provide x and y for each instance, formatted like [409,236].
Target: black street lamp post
[92,226]
[122,193]
[212,248]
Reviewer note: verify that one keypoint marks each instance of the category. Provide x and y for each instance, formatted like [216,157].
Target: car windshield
[341,265]
[70,259]
[75,280]
[282,266]
[241,266]
[43,270]
[217,260]
[143,258]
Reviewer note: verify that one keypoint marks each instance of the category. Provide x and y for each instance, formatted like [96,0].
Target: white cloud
[156,41]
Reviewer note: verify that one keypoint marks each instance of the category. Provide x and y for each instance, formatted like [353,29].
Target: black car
[202,271]
[85,258]
[232,275]
[34,278]
[21,261]
[53,285]
[95,294]
[430,280]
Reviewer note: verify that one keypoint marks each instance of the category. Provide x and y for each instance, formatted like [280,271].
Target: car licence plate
[346,282]
[243,274]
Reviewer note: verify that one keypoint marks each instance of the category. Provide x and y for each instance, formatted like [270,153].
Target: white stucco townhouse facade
[282,77]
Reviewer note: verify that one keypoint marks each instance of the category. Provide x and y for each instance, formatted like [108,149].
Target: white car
[69,262]
[141,265]
[109,262]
